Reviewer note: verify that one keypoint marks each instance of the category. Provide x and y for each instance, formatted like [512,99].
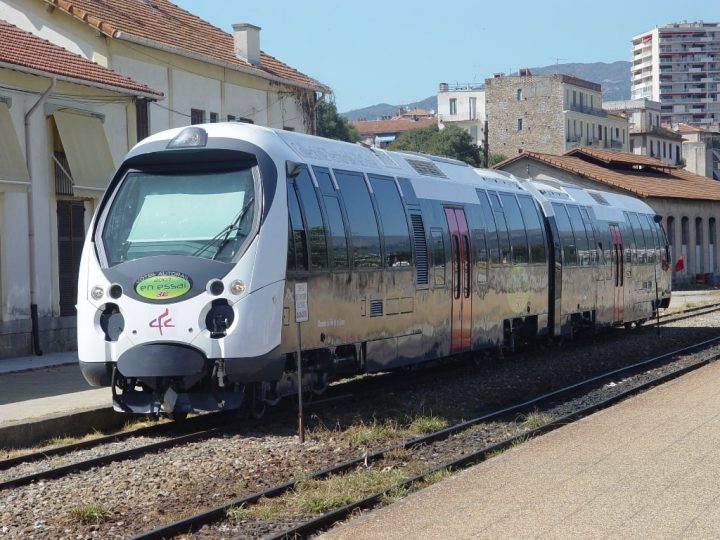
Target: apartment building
[462,105]
[701,148]
[550,114]
[679,65]
[648,136]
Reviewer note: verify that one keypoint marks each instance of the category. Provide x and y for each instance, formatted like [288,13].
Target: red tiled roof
[690,128]
[164,23]
[676,184]
[613,156]
[394,125]
[25,50]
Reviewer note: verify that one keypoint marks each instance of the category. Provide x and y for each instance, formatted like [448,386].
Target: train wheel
[177,417]
[321,384]
[258,406]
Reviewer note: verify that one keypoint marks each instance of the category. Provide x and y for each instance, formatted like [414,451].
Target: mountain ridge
[614,78]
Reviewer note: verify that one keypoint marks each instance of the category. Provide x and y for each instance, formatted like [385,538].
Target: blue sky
[397,51]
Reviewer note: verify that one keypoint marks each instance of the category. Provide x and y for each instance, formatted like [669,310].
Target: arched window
[698,246]
[712,255]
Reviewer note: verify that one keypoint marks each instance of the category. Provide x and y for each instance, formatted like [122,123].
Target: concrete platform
[646,468]
[42,397]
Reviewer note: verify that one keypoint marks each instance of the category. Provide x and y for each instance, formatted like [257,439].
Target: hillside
[614,78]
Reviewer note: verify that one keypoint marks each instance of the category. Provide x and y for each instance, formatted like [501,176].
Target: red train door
[461,280]
[618,262]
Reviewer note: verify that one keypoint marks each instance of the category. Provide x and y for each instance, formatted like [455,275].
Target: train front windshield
[205,214]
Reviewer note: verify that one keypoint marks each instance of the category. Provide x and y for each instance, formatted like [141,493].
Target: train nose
[162,360]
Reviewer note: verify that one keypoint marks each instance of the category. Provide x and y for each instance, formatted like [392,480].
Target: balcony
[584,109]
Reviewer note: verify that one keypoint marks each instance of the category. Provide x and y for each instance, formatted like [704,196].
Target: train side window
[567,239]
[361,218]
[324,180]
[505,254]
[313,220]
[650,240]
[398,250]
[534,229]
[407,191]
[640,240]
[592,238]
[518,236]
[438,255]
[489,220]
[297,250]
[628,237]
[339,253]
[581,239]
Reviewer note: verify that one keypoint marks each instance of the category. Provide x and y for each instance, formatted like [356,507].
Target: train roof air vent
[385,158]
[425,168]
[599,198]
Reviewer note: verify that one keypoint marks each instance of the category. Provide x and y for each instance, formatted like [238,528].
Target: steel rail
[131,453]
[193,523]
[159,429]
[162,429]
[329,518]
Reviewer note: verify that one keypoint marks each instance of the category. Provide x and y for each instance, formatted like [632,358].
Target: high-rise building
[679,65]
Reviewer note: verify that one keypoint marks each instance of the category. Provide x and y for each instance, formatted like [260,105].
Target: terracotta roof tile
[25,50]
[394,125]
[163,22]
[613,156]
[690,128]
[676,184]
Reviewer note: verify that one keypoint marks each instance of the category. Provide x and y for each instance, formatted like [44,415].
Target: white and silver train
[186,292]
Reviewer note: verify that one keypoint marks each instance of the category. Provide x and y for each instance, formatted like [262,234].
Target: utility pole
[486,152]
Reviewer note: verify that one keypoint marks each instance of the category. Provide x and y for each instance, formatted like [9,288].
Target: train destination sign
[163,285]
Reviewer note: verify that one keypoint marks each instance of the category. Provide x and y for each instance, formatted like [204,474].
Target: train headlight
[191,137]
[97,292]
[237,286]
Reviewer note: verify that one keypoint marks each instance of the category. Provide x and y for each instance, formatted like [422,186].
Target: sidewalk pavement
[645,468]
[36,387]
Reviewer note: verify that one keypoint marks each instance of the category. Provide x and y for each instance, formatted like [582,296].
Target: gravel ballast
[158,488]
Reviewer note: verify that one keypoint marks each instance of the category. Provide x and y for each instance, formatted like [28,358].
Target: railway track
[304,528]
[207,426]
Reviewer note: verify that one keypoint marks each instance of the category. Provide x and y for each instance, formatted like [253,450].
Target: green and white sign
[163,285]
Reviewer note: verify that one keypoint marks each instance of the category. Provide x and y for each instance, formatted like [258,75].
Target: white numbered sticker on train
[301,302]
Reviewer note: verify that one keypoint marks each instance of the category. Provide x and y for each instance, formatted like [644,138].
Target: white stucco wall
[246,103]
[14,217]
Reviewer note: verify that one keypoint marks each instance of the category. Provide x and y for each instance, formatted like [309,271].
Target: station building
[105,75]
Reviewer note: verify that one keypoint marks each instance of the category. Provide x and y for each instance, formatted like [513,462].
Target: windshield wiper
[224,235]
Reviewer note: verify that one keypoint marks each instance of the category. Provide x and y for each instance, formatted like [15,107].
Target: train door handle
[466,266]
[456,267]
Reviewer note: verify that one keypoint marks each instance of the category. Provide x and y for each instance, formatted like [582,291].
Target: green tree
[494,158]
[333,126]
[451,142]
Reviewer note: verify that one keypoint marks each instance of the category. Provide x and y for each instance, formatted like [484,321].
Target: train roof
[429,174]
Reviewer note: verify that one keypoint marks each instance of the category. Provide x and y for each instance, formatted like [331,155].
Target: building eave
[84,82]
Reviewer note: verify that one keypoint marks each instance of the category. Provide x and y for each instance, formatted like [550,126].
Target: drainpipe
[31,222]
